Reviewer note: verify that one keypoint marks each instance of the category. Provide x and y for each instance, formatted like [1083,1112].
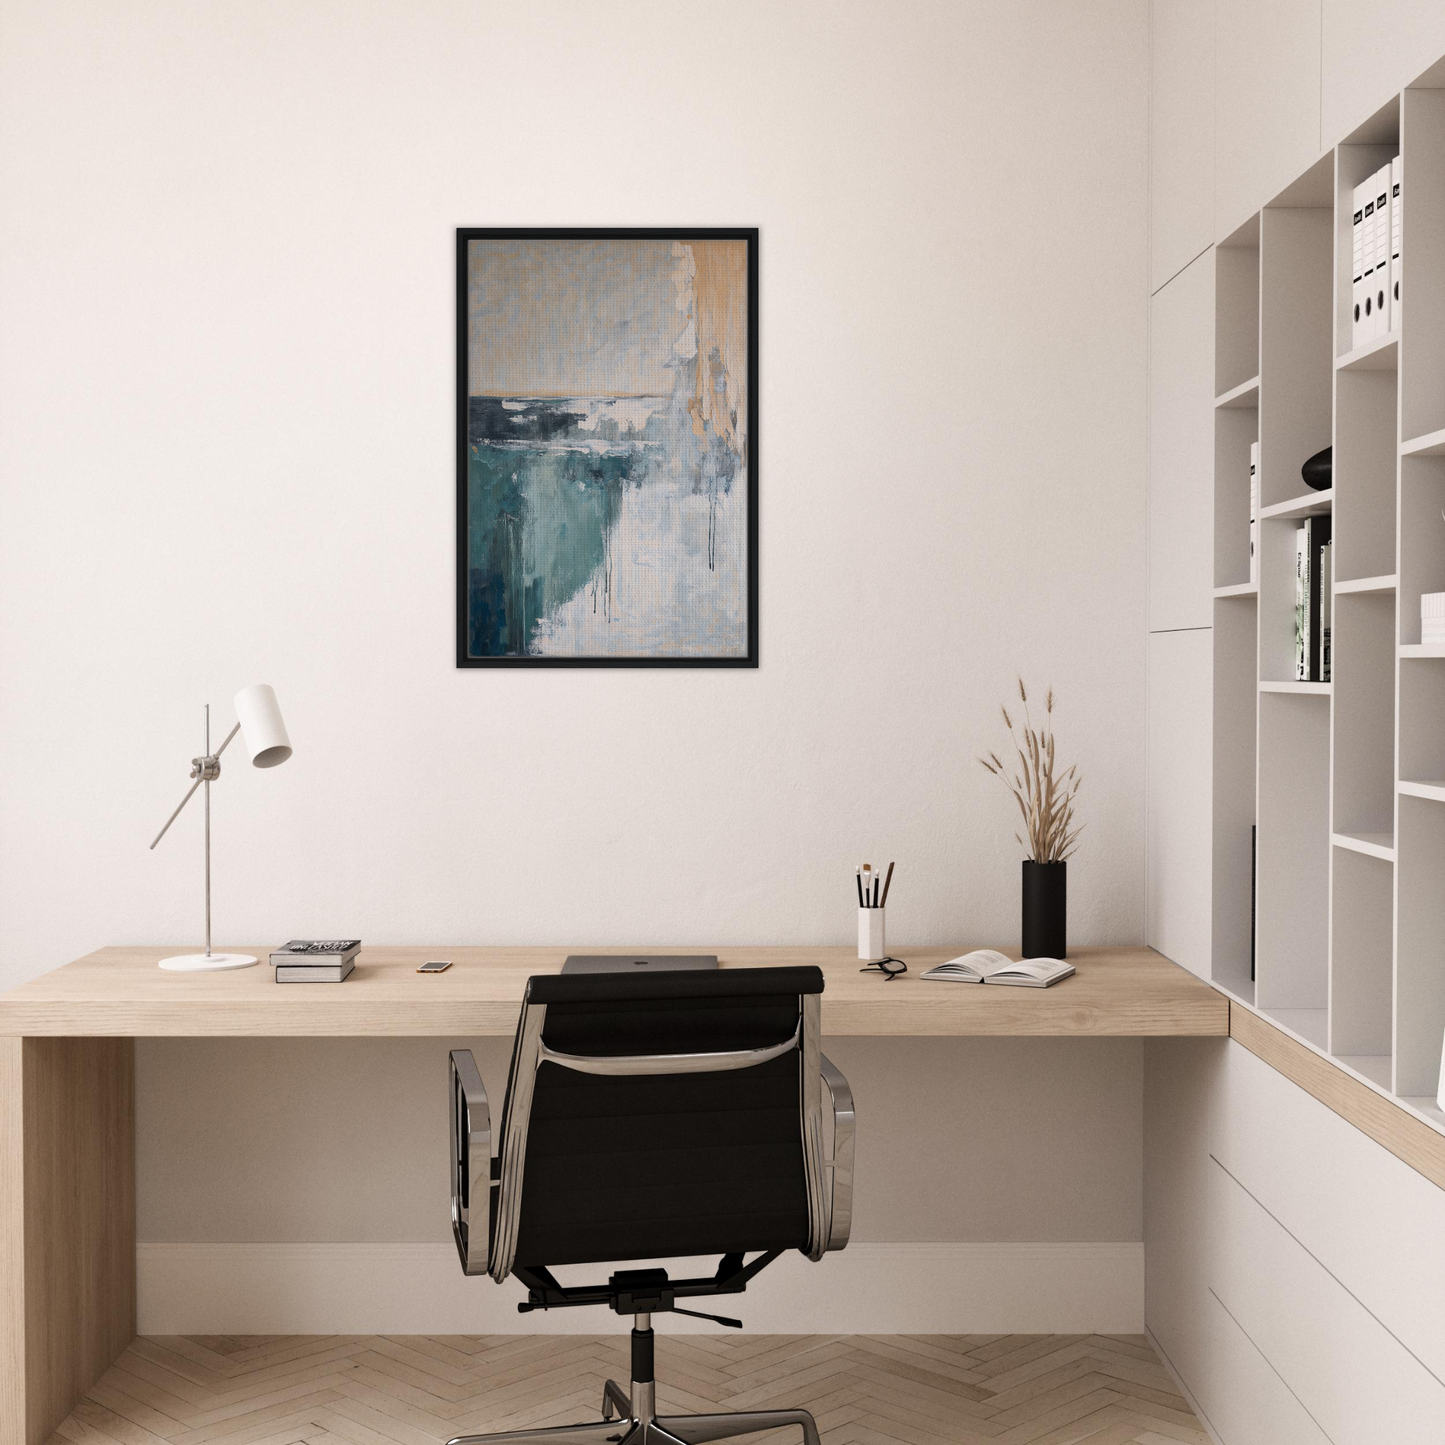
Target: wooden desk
[67,1091]
[119,992]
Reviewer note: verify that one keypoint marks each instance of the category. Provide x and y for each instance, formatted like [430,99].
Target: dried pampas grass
[1046,801]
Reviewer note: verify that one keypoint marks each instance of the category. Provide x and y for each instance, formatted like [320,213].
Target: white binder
[1382,251]
[1396,225]
[1367,324]
[1357,268]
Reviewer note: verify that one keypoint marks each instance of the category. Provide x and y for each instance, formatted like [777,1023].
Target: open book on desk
[987,965]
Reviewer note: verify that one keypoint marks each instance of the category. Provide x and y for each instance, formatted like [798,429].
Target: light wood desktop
[67,1082]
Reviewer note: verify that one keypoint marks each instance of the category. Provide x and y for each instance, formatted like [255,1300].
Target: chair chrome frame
[485,1227]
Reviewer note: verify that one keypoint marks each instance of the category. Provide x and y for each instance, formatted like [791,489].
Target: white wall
[226,352]
[226,358]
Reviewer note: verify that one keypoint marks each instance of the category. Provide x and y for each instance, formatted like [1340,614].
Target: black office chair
[650,1117]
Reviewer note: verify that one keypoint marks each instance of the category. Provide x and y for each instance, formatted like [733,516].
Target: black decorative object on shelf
[1319,471]
[1046,909]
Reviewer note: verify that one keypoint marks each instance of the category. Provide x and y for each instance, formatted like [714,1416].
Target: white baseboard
[312,1289]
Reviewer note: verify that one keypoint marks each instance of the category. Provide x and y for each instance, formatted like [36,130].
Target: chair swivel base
[635,1424]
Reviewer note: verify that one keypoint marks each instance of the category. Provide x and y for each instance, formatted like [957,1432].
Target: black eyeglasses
[890,968]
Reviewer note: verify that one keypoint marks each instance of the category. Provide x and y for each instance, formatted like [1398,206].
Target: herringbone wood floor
[418,1390]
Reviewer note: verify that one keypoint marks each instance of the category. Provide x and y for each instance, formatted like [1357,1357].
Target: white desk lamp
[258,720]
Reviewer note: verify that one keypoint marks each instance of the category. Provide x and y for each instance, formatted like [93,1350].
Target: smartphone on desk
[435,965]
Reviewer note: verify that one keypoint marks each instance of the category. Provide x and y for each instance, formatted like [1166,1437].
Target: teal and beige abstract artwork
[607,444]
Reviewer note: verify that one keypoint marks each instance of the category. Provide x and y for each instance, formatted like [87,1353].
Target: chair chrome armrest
[840,1166]
[471,1126]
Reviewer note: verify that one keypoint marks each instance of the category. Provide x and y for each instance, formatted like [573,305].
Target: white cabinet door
[1366,1216]
[1178,900]
[1358,1382]
[1266,102]
[1181,450]
[1246,1401]
[1370,52]
[1181,134]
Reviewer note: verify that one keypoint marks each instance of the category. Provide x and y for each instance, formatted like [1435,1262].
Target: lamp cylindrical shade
[262,730]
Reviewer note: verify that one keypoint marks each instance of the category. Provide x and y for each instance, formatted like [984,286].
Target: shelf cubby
[1294,852]
[1235,429]
[1362,902]
[1364,703]
[1365,459]
[1422,720]
[1296,369]
[1277,603]
[1236,313]
[1422,537]
[1420,962]
[1422,254]
[1236,707]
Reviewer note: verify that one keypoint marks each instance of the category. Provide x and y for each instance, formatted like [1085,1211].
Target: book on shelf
[988,965]
[1326,607]
[1311,538]
[1301,606]
[314,972]
[1254,513]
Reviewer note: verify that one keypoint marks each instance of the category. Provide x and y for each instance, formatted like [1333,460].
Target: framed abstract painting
[607,448]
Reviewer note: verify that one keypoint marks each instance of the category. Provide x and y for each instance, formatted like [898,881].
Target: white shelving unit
[1344,781]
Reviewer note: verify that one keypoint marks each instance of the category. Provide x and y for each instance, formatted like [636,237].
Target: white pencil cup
[870,934]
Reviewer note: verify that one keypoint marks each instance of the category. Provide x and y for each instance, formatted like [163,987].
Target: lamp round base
[206,962]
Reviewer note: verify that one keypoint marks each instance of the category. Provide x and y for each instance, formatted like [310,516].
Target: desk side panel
[12,1245]
[77,1152]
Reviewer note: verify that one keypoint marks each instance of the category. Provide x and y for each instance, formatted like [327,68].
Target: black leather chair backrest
[644,1167]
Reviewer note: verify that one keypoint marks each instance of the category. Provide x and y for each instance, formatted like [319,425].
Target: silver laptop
[636,962]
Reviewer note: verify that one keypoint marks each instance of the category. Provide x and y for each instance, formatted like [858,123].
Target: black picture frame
[466,234]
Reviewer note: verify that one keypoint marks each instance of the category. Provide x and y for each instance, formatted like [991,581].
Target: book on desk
[988,965]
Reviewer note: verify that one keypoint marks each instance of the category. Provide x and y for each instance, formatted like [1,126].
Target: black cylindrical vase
[1046,909]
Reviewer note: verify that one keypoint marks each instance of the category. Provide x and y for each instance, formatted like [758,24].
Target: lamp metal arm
[204,770]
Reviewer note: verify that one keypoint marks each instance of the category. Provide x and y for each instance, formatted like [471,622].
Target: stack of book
[1375,272]
[1432,618]
[1312,601]
[315,960]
